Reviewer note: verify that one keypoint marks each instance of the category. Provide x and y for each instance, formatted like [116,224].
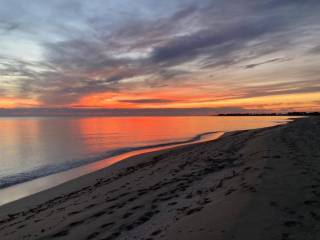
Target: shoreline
[7,181]
[20,184]
[34,186]
[117,162]
[219,189]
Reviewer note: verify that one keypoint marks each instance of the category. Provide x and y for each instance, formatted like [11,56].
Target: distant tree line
[273,114]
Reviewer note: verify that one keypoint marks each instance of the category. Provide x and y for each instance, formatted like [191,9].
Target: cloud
[7,27]
[315,50]
[88,48]
[290,87]
[253,65]
[148,100]
[229,39]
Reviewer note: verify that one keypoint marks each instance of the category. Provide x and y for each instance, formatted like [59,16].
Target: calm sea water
[31,148]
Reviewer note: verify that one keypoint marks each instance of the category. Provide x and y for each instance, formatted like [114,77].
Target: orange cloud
[188,97]
[17,102]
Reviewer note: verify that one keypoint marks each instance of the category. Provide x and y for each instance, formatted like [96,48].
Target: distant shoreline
[292,114]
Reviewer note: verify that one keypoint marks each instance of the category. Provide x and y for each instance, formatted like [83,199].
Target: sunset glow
[160,54]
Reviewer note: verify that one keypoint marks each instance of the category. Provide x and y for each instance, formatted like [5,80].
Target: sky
[237,55]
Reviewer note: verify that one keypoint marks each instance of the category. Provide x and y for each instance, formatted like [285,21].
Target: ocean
[33,148]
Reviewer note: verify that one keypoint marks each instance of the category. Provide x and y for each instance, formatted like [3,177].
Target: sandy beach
[254,184]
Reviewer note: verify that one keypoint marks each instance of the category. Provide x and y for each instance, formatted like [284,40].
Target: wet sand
[255,184]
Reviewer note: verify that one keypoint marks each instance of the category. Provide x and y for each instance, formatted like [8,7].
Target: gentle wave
[56,168]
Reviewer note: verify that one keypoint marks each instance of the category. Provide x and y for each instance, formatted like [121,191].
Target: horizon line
[70,111]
